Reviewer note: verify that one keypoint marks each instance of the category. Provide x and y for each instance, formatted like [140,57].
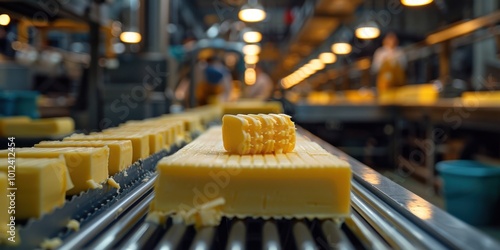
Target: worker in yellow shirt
[389,62]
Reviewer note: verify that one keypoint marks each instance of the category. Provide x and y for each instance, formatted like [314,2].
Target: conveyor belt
[384,216]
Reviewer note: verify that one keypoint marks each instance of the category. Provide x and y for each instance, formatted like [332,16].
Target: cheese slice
[41,185]
[156,138]
[140,142]
[120,152]
[4,121]
[40,127]
[84,164]
[306,183]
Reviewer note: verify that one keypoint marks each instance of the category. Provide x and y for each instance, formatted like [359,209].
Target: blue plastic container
[7,103]
[472,191]
[26,104]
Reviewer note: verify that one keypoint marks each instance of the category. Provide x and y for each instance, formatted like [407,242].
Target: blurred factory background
[399,85]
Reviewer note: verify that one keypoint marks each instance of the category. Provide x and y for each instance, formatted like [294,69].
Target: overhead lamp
[252,36]
[252,12]
[251,59]
[327,57]
[367,30]
[341,48]
[251,49]
[250,76]
[130,29]
[307,70]
[317,64]
[130,37]
[416,2]
[4,19]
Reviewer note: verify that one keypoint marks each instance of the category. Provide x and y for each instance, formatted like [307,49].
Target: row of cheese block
[202,182]
[23,126]
[51,170]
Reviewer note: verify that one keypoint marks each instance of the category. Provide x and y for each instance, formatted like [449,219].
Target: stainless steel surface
[446,229]
[303,237]
[335,238]
[90,230]
[237,236]
[203,239]
[366,234]
[270,236]
[172,238]
[116,233]
[352,113]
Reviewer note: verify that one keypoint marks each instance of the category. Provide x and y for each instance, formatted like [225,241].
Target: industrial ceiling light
[317,64]
[341,48]
[252,36]
[130,37]
[130,29]
[251,49]
[250,76]
[4,19]
[367,30]
[327,57]
[251,59]
[416,2]
[252,12]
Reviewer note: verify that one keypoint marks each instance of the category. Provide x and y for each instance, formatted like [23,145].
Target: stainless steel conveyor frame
[384,216]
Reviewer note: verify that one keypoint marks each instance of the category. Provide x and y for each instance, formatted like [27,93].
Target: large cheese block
[140,142]
[87,166]
[156,137]
[4,121]
[120,152]
[306,183]
[41,185]
[40,127]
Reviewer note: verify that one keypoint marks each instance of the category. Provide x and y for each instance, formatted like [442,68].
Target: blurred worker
[389,62]
[262,89]
[215,82]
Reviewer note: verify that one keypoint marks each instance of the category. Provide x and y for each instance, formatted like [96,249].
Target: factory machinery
[384,216]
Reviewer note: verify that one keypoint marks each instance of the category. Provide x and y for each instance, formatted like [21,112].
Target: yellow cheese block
[252,107]
[169,130]
[179,127]
[258,134]
[11,120]
[4,206]
[156,138]
[120,152]
[192,122]
[87,166]
[40,127]
[306,183]
[41,185]
[208,113]
[140,142]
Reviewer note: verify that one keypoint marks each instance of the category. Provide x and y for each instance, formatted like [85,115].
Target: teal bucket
[7,103]
[471,191]
[26,104]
